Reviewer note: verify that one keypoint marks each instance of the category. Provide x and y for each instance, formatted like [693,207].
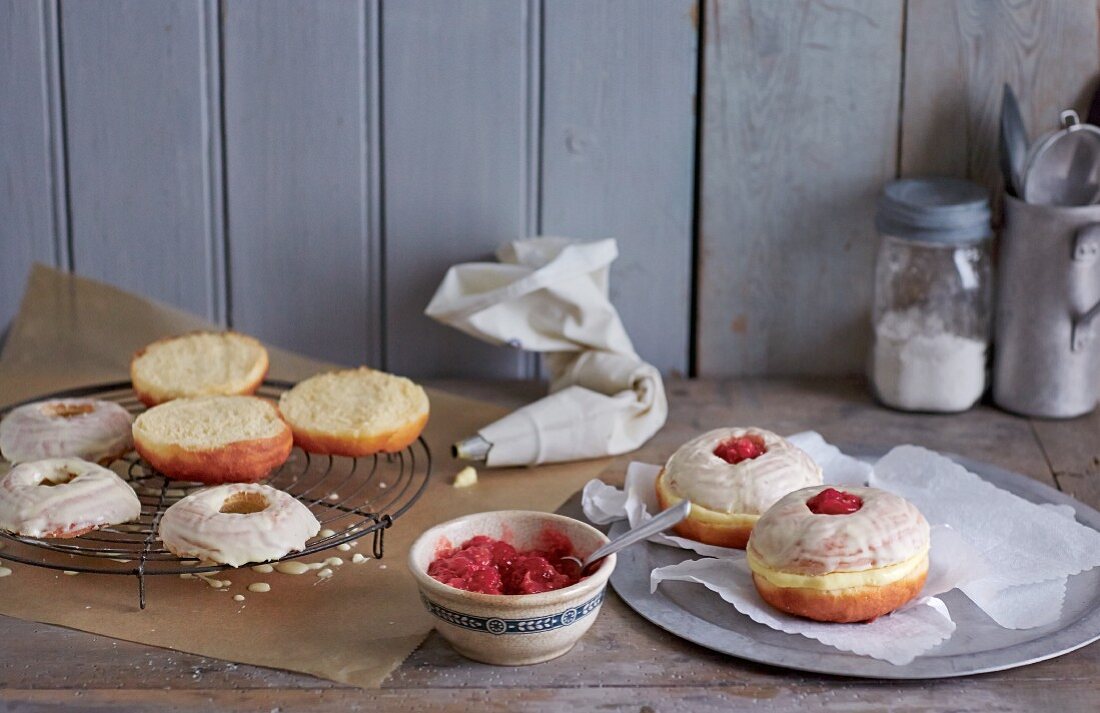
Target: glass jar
[933,295]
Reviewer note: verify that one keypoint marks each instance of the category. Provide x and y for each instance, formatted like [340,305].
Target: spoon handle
[659,523]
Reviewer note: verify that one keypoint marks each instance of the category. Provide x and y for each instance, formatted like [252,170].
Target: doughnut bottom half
[394,441]
[708,526]
[847,605]
[240,462]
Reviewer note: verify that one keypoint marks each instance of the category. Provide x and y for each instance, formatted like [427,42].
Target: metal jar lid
[950,211]
[1063,168]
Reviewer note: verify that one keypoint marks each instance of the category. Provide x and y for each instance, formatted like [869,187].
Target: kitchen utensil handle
[1086,251]
[660,522]
[1083,328]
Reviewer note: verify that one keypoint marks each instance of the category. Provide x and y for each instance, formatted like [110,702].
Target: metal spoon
[659,523]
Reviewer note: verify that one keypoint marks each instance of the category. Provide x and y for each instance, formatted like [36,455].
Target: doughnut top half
[695,473]
[886,530]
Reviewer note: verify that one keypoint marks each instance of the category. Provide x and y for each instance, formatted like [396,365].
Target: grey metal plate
[979,644]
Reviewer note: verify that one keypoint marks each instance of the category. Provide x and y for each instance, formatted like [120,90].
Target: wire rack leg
[149,540]
[380,535]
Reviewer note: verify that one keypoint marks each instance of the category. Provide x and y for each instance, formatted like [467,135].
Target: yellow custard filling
[704,514]
[877,577]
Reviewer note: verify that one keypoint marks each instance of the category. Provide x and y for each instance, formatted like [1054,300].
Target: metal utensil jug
[1047,361]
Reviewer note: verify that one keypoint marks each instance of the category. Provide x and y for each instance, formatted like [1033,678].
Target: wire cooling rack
[351,497]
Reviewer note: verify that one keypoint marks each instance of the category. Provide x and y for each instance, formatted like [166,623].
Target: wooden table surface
[623,663]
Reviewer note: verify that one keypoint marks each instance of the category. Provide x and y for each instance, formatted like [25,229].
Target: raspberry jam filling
[831,501]
[491,566]
[740,448]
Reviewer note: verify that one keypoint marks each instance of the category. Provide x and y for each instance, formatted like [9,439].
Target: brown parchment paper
[355,627]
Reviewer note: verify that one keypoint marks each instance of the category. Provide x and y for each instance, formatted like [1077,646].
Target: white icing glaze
[196,527]
[36,431]
[85,495]
[213,581]
[238,597]
[5,572]
[751,486]
[259,587]
[292,568]
[886,530]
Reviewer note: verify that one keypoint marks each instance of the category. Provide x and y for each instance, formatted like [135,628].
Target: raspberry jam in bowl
[497,589]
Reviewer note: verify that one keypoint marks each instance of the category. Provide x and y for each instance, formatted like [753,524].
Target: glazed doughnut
[236,524]
[213,439]
[89,429]
[731,476]
[198,364]
[845,555]
[355,412]
[64,497]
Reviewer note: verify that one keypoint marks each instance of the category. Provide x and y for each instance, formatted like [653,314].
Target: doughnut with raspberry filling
[843,555]
[731,476]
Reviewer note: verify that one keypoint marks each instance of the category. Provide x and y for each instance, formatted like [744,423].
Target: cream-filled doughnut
[839,554]
[236,524]
[731,476]
[90,429]
[64,497]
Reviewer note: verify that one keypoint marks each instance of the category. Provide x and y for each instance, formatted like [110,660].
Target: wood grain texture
[618,151]
[29,190]
[1072,449]
[799,134]
[825,695]
[302,255]
[138,139]
[960,53]
[623,662]
[455,124]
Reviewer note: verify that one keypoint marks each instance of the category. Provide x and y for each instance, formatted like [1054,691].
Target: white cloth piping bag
[550,295]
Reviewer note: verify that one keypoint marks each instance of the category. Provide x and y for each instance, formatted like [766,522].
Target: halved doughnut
[214,439]
[355,412]
[236,524]
[705,525]
[90,429]
[198,364]
[850,604]
[64,497]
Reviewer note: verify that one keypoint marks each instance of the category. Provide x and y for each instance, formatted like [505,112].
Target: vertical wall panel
[300,202]
[28,229]
[138,148]
[959,55]
[618,154]
[455,97]
[799,134]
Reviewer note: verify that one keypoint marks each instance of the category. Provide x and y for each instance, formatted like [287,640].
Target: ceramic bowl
[511,629]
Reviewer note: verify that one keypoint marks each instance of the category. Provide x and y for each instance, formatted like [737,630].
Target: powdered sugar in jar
[933,295]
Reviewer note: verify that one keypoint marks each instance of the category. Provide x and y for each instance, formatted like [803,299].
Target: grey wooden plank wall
[809,107]
[306,171]
[32,199]
[300,201]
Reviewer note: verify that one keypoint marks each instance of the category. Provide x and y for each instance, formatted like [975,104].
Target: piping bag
[550,295]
